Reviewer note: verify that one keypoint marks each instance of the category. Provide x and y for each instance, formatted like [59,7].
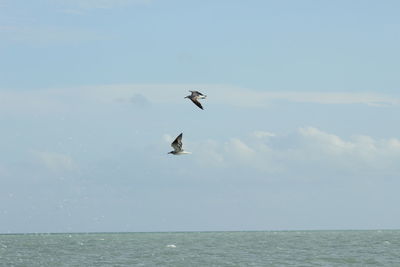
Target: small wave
[171,246]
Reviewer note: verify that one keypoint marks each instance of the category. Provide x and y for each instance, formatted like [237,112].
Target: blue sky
[300,128]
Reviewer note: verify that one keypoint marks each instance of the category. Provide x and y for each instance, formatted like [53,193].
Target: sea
[270,248]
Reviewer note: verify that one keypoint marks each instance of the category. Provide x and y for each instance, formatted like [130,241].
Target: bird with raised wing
[195,96]
[177,146]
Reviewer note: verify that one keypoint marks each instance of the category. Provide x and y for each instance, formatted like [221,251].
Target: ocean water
[281,248]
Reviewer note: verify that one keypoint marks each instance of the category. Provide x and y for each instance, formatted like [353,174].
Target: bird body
[177,146]
[195,96]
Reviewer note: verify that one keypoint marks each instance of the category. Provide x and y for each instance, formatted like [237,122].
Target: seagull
[177,146]
[195,96]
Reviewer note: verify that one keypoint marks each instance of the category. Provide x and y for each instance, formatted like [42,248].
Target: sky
[300,129]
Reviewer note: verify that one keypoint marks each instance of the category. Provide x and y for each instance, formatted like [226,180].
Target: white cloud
[236,96]
[174,93]
[239,150]
[263,134]
[51,101]
[56,162]
[336,98]
[329,143]
[250,98]
[310,151]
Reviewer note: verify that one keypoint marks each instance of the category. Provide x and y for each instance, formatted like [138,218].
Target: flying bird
[195,96]
[177,146]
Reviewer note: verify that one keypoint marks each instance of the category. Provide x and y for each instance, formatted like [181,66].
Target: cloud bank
[144,94]
[309,151]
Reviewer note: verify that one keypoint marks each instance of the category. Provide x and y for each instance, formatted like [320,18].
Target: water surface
[291,248]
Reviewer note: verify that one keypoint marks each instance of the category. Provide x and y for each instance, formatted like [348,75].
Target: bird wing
[177,144]
[197,103]
[196,93]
